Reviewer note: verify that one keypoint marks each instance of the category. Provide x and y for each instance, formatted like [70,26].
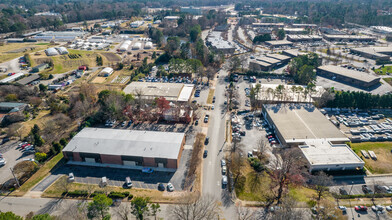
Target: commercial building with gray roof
[304,126]
[129,149]
[376,53]
[348,76]
[172,92]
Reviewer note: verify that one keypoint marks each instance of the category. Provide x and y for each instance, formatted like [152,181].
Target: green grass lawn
[383,70]
[388,80]
[383,164]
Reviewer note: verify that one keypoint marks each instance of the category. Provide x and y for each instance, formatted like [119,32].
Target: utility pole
[352,212]
[16,179]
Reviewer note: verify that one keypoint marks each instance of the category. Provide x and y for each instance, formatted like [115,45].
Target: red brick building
[126,149]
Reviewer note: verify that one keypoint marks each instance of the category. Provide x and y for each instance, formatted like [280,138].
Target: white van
[128,182]
[104,181]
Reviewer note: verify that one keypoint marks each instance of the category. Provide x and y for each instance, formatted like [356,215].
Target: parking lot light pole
[349,200]
[16,179]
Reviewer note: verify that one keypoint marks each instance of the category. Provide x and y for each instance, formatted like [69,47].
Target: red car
[270,136]
[25,145]
[360,208]
[273,142]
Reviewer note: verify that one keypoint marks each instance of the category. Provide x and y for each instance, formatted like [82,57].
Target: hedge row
[77,193]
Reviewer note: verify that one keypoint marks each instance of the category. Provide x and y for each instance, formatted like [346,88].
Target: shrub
[116,195]
[78,193]
[40,157]
[96,193]
[256,164]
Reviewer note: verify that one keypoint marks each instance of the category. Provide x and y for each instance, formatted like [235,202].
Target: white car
[71,177]
[223,162]
[224,170]
[224,180]
[343,208]
[388,208]
[170,187]
[2,161]
[29,159]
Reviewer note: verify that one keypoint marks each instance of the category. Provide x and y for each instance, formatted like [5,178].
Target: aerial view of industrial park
[196,110]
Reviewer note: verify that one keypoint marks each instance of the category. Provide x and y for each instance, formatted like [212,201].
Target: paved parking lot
[13,155]
[356,183]
[116,177]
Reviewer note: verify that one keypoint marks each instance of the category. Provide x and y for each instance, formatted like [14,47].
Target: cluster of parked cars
[197,93]
[224,171]
[111,123]
[270,134]
[27,148]
[169,187]
[377,189]
[362,69]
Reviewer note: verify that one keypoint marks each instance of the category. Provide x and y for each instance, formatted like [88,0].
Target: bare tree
[261,145]
[245,213]
[235,165]
[191,208]
[75,211]
[288,210]
[123,211]
[320,183]
[285,171]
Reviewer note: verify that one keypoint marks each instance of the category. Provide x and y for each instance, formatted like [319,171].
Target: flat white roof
[298,122]
[320,152]
[137,143]
[171,91]
[353,74]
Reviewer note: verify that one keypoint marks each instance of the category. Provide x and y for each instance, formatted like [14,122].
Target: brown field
[111,57]
[99,79]
[13,50]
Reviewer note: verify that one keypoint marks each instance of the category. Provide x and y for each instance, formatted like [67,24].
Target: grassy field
[383,164]
[64,63]
[383,70]
[56,189]
[13,50]
[388,80]
[38,176]
[210,96]
[249,194]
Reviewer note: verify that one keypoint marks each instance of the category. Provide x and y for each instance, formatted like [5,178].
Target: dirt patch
[98,79]
[111,57]
[42,60]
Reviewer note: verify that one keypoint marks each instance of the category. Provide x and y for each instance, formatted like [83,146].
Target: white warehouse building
[51,52]
[124,46]
[148,45]
[137,46]
[62,50]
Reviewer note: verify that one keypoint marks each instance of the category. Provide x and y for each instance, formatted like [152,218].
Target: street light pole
[349,200]
[16,179]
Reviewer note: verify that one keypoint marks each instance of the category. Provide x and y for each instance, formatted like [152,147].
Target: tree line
[361,100]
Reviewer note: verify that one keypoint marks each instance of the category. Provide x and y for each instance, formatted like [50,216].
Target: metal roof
[137,143]
[353,74]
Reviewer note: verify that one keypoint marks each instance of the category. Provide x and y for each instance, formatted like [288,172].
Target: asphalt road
[212,174]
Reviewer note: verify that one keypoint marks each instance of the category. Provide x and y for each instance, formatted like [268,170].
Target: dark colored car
[161,187]
[206,141]
[196,122]
[205,153]
[343,191]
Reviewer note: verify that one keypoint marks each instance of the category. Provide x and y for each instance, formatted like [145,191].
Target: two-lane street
[212,172]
